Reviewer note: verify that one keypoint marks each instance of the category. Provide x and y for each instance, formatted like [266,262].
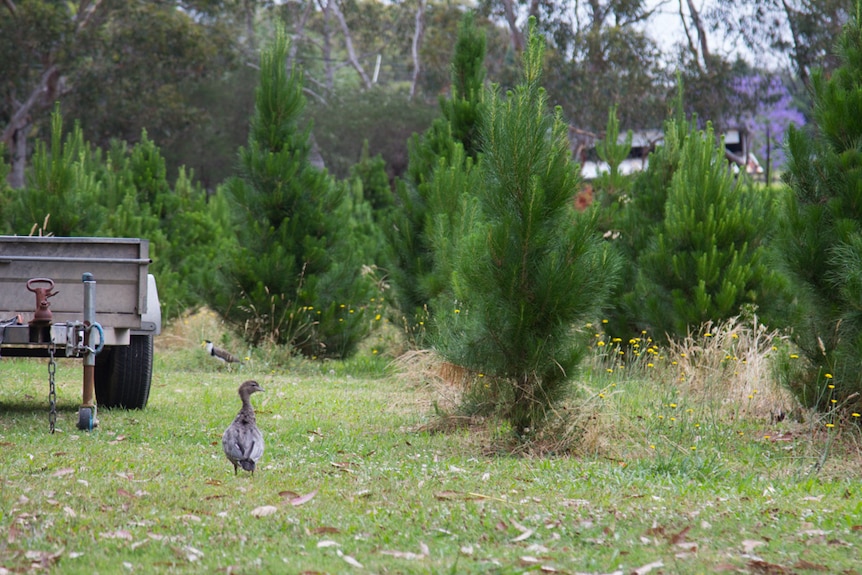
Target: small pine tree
[294,270]
[710,253]
[533,268]
[822,239]
[63,189]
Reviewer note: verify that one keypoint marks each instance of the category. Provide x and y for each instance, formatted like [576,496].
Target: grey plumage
[242,441]
[220,354]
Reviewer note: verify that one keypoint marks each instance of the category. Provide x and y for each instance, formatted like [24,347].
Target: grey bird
[242,441]
[220,354]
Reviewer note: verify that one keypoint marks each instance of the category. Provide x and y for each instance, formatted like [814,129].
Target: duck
[220,354]
[242,441]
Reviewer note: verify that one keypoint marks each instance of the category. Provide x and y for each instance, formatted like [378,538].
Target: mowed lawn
[353,481]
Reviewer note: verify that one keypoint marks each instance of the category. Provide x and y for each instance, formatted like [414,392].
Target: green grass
[151,491]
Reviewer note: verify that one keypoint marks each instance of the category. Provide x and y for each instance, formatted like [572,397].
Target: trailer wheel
[124,373]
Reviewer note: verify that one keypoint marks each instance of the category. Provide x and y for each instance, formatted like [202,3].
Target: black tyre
[124,373]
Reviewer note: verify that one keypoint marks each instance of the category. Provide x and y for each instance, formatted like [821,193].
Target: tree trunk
[418,34]
[512,21]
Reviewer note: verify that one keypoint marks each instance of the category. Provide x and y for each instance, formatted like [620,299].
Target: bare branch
[46,91]
[299,33]
[348,42]
[701,32]
[11,6]
[512,21]
[691,46]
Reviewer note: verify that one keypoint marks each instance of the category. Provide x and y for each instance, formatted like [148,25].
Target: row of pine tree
[481,243]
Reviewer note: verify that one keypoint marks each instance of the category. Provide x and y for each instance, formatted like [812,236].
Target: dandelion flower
[794,356]
[673,405]
[830,425]
[830,386]
[827,375]
[854,414]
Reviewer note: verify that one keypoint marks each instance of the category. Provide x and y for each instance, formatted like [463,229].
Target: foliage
[295,277]
[76,190]
[532,268]
[710,254]
[823,241]
[63,189]
[434,196]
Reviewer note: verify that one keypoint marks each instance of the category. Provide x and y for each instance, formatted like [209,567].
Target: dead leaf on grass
[189,553]
[325,530]
[302,499]
[424,552]
[749,545]
[350,560]
[766,568]
[648,567]
[43,559]
[63,472]
[118,534]
[263,511]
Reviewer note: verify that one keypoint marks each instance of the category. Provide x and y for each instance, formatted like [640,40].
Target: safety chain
[52,392]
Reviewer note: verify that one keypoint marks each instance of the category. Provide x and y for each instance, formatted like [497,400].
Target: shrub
[823,232]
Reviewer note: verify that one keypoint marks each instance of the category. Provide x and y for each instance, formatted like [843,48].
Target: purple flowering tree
[766,108]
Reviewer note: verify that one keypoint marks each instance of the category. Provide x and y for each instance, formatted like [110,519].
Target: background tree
[446,150]
[116,67]
[710,253]
[533,268]
[294,278]
[823,230]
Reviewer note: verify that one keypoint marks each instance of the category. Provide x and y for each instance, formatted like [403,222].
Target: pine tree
[533,268]
[424,206]
[710,254]
[296,278]
[823,232]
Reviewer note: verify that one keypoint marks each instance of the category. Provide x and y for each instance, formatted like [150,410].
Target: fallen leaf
[63,472]
[680,537]
[119,534]
[189,553]
[523,536]
[296,501]
[760,566]
[327,543]
[749,545]
[264,510]
[288,494]
[123,493]
[325,530]
[350,560]
[648,567]
[403,555]
[43,559]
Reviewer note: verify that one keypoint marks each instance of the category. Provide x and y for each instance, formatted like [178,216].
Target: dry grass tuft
[731,362]
[190,330]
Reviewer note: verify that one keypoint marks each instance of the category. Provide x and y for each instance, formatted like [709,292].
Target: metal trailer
[88,298]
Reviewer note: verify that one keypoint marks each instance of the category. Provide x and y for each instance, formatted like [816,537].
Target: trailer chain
[52,390]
